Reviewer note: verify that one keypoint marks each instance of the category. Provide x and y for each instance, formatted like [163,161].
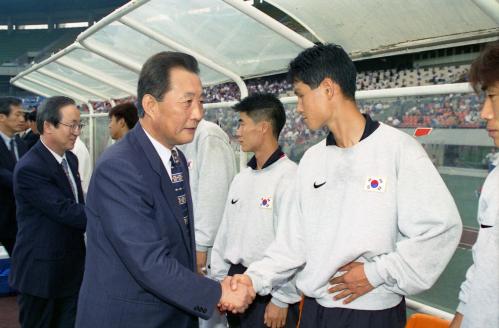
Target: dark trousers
[316,316]
[37,312]
[253,317]
[8,243]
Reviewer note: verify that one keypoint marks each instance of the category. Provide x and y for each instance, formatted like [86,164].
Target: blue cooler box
[4,277]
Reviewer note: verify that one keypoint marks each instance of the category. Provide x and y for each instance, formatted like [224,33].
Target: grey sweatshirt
[212,167]
[253,211]
[381,202]
[479,295]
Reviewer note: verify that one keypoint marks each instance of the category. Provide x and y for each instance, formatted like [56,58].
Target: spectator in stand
[492,159]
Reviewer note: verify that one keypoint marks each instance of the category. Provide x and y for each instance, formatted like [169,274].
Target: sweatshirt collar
[272,159]
[370,127]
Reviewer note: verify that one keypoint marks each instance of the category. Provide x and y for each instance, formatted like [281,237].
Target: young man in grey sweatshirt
[372,220]
[479,295]
[255,207]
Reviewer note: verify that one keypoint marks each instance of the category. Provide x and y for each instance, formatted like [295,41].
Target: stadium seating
[22,41]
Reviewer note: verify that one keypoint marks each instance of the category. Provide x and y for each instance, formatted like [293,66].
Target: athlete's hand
[275,316]
[352,284]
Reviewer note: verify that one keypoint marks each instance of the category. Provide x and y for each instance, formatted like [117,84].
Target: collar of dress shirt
[6,139]
[57,157]
[163,152]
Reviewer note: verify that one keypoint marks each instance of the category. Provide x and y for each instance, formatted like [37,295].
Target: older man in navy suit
[49,255]
[140,269]
[11,149]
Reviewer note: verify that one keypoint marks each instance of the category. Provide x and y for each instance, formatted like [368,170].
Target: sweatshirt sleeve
[287,293]
[464,292]
[286,254]
[216,168]
[478,297]
[220,267]
[429,228]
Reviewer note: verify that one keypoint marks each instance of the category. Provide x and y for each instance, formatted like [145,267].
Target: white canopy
[233,40]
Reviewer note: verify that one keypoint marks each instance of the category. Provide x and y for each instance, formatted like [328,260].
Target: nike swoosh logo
[234,201]
[319,185]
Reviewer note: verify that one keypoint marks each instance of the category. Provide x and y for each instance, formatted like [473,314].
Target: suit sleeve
[126,206]
[36,187]
[5,178]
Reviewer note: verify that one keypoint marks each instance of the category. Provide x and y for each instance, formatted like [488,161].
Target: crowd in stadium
[449,111]
[445,111]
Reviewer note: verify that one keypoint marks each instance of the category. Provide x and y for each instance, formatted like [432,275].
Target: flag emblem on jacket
[266,202]
[377,184]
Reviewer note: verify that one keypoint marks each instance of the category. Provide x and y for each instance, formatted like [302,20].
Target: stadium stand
[22,41]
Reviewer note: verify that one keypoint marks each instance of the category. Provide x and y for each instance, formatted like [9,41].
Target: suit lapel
[166,184]
[74,170]
[55,168]
[21,147]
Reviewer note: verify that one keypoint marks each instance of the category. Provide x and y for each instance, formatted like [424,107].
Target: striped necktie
[179,186]
[65,167]
[13,149]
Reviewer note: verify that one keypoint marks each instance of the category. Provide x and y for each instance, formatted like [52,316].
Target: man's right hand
[235,297]
[240,279]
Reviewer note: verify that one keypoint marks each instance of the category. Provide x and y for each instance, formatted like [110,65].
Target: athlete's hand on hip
[275,316]
[352,284]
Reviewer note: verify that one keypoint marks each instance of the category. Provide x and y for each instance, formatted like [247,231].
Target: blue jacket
[8,227]
[140,266]
[49,253]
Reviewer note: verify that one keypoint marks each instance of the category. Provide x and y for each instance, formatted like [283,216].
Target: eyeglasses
[74,127]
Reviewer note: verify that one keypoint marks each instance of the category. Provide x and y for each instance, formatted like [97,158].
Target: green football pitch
[465,191]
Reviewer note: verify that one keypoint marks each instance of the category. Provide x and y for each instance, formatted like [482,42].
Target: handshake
[237,294]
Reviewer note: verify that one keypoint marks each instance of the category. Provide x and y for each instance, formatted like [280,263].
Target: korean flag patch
[266,202]
[375,184]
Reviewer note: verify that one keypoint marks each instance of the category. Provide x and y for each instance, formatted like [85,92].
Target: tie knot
[12,143]
[64,163]
[174,159]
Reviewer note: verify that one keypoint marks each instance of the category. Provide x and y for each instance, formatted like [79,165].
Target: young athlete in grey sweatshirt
[479,295]
[371,220]
[257,199]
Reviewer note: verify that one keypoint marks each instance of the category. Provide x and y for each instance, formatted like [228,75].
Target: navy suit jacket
[30,139]
[8,227]
[140,266]
[49,254]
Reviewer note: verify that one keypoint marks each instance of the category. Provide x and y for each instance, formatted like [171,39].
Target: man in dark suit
[140,269]
[31,136]
[49,255]
[11,149]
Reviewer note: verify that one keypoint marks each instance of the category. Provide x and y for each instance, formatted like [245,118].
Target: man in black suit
[48,259]
[11,149]
[31,136]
